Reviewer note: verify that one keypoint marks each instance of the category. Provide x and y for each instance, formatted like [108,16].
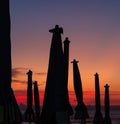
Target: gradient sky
[93,27]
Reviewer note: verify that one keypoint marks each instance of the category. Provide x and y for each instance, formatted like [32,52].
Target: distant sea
[114,114]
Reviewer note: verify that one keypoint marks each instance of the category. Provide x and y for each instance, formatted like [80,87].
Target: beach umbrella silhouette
[66,69]
[80,110]
[55,109]
[107,119]
[29,113]
[36,102]
[98,118]
[9,110]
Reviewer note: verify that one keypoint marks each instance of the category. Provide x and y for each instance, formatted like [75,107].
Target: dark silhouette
[66,67]
[55,108]
[107,119]
[9,110]
[29,113]
[98,118]
[37,103]
[81,110]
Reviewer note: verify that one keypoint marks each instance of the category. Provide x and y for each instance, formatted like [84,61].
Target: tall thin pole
[98,118]
[36,102]
[66,68]
[29,114]
[107,119]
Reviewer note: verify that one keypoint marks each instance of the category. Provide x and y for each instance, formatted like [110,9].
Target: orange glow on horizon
[88,98]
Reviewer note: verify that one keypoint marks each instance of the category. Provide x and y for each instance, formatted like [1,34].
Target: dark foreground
[115,115]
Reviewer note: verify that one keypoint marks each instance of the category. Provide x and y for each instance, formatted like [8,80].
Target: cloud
[21,71]
[18,71]
[18,81]
[41,73]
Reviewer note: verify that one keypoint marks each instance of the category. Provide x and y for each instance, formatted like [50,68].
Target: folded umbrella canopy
[81,110]
[9,110]
[55,108]
[98,118]
[36,102]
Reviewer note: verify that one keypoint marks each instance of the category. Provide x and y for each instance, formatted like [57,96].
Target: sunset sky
[93,27]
